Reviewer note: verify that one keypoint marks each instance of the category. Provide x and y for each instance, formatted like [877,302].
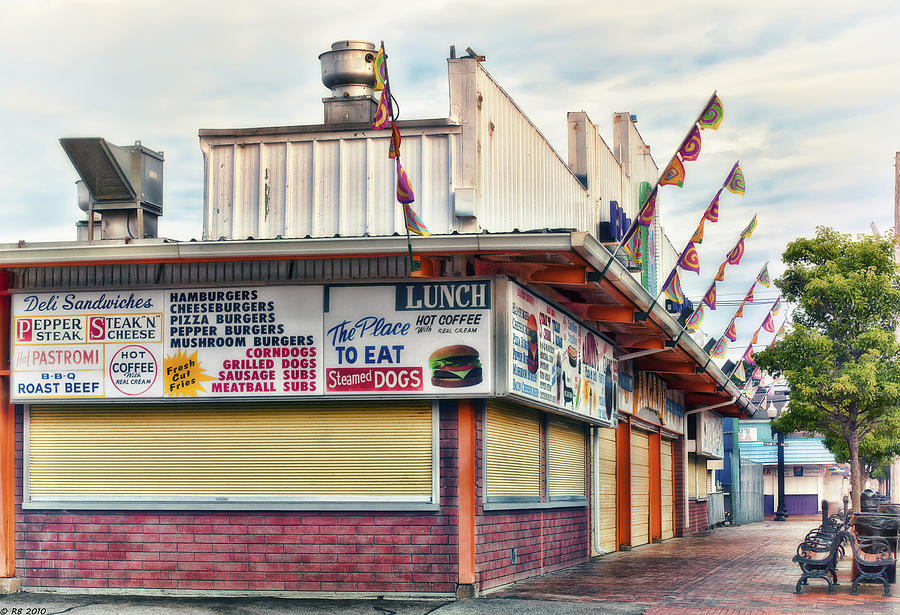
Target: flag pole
[387,84]
[768,313]
[652,189]
[683,328]
[643,315]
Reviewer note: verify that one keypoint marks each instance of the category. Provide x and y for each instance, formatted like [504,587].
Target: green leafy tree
[841,359]
[876,449]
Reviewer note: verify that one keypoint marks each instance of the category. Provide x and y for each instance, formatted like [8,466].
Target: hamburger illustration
[573,356]
[532,331]
[455,366]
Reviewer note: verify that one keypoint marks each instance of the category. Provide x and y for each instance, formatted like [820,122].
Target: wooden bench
[818,557]
[874,559]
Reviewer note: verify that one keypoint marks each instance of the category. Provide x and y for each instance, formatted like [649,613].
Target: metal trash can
[868,501]
[889,508]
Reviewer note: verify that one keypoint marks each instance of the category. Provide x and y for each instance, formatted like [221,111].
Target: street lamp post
[780,512]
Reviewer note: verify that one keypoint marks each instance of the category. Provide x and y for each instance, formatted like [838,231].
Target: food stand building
[324,415]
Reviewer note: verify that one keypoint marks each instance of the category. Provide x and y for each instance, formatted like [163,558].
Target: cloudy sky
[811,94]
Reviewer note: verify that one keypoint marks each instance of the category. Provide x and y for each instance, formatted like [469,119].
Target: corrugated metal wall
[175,274]
[323,184]
[524,183]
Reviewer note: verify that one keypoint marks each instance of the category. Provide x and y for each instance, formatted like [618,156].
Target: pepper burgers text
[455,366]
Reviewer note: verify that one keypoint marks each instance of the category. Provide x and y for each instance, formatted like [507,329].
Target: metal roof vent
[124,185]
[349,70]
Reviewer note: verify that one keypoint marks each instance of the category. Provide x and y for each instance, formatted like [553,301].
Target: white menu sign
[242,342]
[555,360]
[413,338]
[87,345]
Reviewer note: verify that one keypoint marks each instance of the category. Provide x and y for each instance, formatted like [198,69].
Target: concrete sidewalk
[747,569]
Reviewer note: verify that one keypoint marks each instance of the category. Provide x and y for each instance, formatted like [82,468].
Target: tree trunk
[857,483]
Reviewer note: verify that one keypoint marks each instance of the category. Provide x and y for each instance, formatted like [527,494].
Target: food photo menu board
[555,360]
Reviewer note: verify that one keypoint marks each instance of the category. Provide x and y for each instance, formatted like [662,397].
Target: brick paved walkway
[744,569]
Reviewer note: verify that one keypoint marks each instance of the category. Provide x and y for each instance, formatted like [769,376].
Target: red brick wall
[679,487]
[698,517]
[545,540]
[299,551]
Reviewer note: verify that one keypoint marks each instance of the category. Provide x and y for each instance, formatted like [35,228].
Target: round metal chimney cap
[348,63]
[350,44]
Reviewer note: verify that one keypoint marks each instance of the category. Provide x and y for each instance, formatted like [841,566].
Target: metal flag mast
[750,347]
[711,286]
[652,192]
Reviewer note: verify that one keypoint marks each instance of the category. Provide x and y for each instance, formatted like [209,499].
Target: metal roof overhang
[563,265]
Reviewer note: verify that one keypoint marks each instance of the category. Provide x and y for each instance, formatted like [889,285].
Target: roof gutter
[163,250]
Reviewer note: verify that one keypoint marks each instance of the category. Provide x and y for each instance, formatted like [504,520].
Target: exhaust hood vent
[124,185]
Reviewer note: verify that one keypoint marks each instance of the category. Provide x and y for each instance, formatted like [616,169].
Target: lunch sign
[426,339]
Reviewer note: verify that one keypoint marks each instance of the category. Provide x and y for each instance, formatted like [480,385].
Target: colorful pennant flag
[740,311]
[749,297]
[646,216]
[763,277]
[721,274]
[404,191]
[734,183]
[748,355]
[757,373]
[720,349]
[674,174]
[632,247]
[697,237]
[690,151]
[413,223]
[673,288]
[690,260]
[693,323]
[769,323]
[739,372]
[383,110]
[394,150]
[712,115]
[731,331]
[776,307]
[750,228]
[710,297]
[384,118]
[380,69]
[737,252]
[755,337]
[712,211]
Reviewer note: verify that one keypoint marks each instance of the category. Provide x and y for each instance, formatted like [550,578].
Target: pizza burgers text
[455,366]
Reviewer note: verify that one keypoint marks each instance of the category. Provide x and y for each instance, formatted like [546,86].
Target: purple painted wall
[804,504]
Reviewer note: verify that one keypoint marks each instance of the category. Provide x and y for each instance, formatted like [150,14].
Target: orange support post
[655,488]
[7,441]
[466,489]
[623,485]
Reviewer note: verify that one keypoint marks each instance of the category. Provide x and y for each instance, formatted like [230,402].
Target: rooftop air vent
[349,70]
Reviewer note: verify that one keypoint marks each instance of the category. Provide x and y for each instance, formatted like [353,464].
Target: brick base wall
[544,540]
[267,551]
[678,486]
[698,517]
